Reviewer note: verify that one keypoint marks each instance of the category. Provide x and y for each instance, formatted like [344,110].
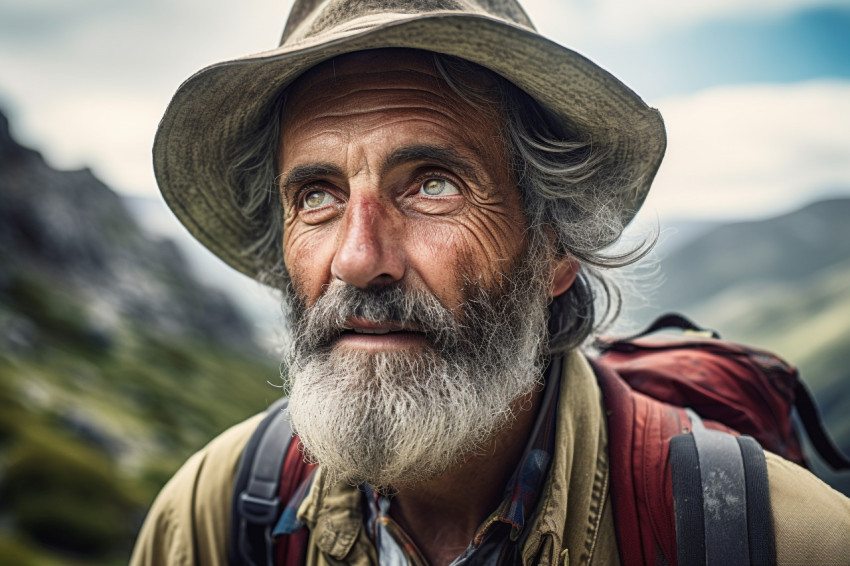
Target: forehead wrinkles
[433,119]
[329,94]
[341,79]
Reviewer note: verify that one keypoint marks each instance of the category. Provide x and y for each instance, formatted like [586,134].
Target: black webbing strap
[256,505]
[810,417]
[721,499]
[687,500]
[759,514]
[672,320]
[724,496]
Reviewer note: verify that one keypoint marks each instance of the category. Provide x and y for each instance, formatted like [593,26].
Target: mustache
[317,326]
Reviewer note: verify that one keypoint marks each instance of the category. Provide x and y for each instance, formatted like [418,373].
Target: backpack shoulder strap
[256,504]
[721,498]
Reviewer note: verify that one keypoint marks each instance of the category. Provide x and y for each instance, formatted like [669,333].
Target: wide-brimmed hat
[222,104]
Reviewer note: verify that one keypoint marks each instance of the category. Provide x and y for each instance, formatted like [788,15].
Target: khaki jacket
[188,523]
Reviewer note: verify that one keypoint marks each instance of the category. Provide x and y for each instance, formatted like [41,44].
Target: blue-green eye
[316,199]
[438,187]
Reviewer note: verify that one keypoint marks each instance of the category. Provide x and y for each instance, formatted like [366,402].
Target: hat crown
[310,18]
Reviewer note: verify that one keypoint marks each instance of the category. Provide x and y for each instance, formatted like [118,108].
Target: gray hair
[568,195]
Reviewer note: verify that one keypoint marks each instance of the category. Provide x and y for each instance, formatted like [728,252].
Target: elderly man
[431,183]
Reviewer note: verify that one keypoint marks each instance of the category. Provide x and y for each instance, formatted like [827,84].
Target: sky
[755,93]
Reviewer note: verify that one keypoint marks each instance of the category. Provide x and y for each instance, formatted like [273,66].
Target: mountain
[255,301]
[69,227]
[116,363]
[786,249]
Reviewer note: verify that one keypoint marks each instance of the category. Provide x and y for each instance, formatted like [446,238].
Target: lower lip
[380,342]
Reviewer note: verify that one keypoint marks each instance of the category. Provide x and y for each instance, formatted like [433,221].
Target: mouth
[372,330]
[378,336]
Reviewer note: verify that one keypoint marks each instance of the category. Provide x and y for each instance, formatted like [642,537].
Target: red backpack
[656,391]
[647,382]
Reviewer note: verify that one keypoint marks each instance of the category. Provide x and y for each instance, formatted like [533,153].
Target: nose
[369,251]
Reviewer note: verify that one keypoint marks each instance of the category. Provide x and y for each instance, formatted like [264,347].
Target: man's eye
[438,187]
[316,199]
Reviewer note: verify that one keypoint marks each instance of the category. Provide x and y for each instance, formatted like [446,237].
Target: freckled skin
[374,225]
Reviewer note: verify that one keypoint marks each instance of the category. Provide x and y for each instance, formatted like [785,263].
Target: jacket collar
[569,512]
[333,515]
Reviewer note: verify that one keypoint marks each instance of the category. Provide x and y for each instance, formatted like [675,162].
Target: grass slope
[91,428]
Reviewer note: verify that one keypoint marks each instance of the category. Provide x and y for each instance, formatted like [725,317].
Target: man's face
[419,302]
[388,177]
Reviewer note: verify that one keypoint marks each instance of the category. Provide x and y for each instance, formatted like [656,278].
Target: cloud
[87,86]
[576,22]
[757,150]
[112,131]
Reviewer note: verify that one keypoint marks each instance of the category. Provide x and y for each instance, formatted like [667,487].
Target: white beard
[406,416]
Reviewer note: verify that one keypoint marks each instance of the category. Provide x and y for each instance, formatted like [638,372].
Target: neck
[443,514]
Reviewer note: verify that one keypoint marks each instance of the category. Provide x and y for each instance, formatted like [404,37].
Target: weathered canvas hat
[218,105]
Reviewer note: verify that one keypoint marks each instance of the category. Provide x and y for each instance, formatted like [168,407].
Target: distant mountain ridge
[786,248]
[259,304]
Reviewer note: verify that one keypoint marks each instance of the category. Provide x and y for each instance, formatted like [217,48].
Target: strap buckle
[259,509]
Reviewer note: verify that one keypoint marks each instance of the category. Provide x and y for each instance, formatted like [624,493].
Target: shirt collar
[526,483]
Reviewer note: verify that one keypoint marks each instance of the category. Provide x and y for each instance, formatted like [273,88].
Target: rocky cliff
[71,232]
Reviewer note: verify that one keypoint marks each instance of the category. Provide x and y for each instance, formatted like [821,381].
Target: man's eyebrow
[443,156]
[302,173]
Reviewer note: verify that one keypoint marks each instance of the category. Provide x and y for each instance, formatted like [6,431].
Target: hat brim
[220,104]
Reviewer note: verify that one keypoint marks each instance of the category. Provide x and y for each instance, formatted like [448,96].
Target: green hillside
[89,434]
[788,248]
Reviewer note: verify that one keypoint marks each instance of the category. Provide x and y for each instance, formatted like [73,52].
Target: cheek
[307,254]
[445,254]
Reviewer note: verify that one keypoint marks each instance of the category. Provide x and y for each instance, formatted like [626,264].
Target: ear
[566,271]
